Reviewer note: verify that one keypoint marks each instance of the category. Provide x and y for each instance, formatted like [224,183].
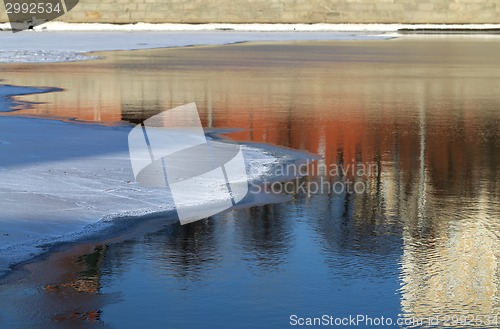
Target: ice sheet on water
[64,181]
[63,46]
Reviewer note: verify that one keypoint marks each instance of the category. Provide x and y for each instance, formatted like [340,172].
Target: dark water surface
[418,239]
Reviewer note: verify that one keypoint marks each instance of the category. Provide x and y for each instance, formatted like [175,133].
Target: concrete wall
[283,11]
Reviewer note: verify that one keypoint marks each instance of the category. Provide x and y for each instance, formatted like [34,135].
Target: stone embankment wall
[282,11]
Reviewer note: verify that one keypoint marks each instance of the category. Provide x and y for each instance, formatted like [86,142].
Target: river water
[411,125]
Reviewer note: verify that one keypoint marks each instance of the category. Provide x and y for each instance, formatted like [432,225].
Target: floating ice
[65,181]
